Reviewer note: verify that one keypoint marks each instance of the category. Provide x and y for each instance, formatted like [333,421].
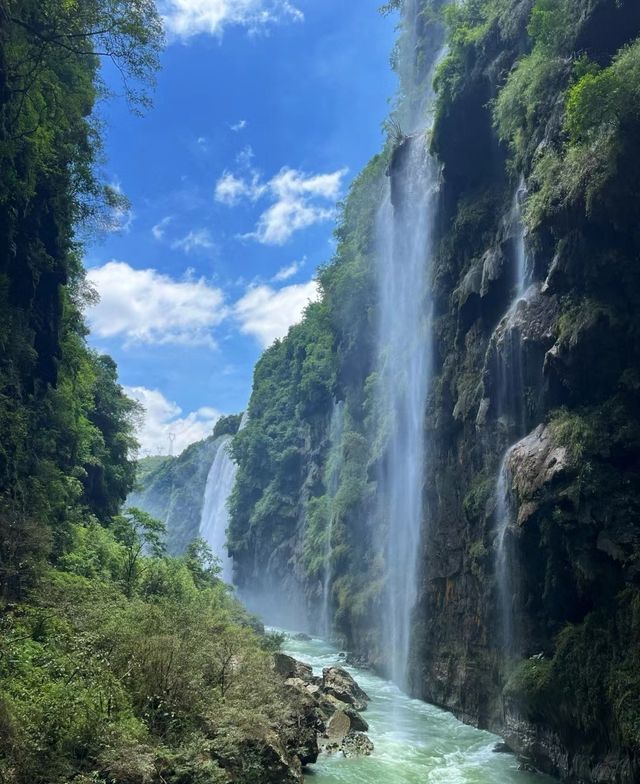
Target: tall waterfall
[504,581]
[404,233]
[522,271]
[334,468]
[215,515]
[511,409]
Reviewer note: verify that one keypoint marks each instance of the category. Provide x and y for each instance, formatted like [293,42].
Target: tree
[111,473]
[202,563]
[138,532]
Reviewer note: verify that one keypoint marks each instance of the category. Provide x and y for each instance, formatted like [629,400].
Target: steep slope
[530,535]
[172,489]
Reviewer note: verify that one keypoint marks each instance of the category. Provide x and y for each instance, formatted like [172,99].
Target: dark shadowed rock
[337,683]
[288,667]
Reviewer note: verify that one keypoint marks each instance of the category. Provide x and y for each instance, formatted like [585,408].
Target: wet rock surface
[357,744]
[337,683]
[323,712]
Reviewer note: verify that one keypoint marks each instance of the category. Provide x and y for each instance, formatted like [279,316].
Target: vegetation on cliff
[540,97]
[117,662]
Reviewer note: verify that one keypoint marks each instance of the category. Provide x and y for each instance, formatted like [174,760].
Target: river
[415,743]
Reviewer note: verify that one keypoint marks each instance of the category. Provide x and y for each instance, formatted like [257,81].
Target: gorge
[479,523]
[435,485]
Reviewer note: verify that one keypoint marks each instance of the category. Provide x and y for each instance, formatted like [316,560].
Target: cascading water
[502,568]
[215,515]
[404,233]
[523,273]
[334,468]
[511,410]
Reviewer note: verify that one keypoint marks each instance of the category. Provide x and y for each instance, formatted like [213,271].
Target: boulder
[357,744]
[288,667]
[337,683]
[301,637]
[338,727]
[535,463]
[357,722]
[302,724]
[277,765]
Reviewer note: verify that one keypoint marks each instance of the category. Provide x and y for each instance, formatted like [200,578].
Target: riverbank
[414,743]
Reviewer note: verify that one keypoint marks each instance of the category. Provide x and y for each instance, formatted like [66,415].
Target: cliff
[172,489]
[526,616]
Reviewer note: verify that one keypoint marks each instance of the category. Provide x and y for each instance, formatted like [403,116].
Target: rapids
[415,743]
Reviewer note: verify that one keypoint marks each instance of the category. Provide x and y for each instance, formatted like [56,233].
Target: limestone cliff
[533,418]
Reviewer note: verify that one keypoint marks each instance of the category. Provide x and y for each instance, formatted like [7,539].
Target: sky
[264,112]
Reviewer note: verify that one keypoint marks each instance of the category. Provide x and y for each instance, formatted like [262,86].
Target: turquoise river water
[415,743]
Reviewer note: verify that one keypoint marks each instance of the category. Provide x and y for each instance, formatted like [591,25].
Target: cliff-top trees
[56,440]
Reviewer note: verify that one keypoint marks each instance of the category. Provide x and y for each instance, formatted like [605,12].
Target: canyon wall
[527,613]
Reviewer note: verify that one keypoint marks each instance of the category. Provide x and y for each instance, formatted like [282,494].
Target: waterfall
[334,468]
[504,582]
[404,236]
[215,515]
[522,271]
[511,409]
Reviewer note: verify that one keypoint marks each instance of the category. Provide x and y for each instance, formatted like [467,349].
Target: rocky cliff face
[535,288]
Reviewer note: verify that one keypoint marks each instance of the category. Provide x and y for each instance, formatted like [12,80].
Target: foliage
[293,481]
[137,532]
[171,489]
[151,687]
[67,426]
[227,425]
[591,683]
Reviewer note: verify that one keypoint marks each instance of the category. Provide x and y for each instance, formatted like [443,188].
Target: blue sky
[264,112]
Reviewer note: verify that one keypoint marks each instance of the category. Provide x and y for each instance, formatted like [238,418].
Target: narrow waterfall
[334,468]
[512,412]
[522,270]
[215,515]
[504,582]
[404,234]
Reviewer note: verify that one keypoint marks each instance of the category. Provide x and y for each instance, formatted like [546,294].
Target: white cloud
[186,18]
[267,313]
[120,216]
[160,228]
[200,239]
[163,428]
[299,200]
[288,272]
[144,306]
[245,158]
[230,190]
[239,126]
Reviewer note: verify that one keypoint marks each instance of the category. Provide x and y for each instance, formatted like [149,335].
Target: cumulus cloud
[200,239]
[239,126]
[298,200]
[145,306]
[230,190]
[267,313]
[186,18]
[288,272]
[163,428]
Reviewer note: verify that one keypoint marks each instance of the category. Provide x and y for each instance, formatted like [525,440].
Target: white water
[512,410]
[404,234]
[215,515]
[415,743]
[502,566]
[334,468]
[523,273]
